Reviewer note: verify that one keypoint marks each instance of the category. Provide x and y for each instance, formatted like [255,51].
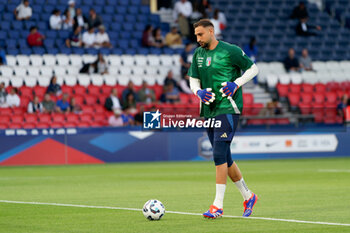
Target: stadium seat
[76,60]
[72,118]
[320,87]
[31,118]
[15,125]
[40,91]
[6,71]
[26,91]
[56,125]
[306,87]
[294,99]
[36,60]
[90,100]
[62,59]
[20,71]
[49,60]
[33,71]
[96,79]
[5,119]
[94,90]
[17,119]
[70,80]
[17,81]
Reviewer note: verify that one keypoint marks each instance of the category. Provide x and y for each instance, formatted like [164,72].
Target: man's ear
[211,30]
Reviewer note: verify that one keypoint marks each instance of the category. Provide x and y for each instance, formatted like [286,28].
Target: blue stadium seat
[11,43]
[135,43]
[64,34]
[40,2]
[144,9]
[78,51]
[109,10]
[127,26]
[113,35]
[136,34]
[130,18]
[45,17]
[99,2]
[22,43]
[123,2]
[2,8]
[155,51]
[11,7]
[154,19]
[13,52]
[8,17]
[142,51]
[25,51]
[37,8]
[168,51]
[121,9]
[125,35]
[117,51]
[52,2]
[17,25]
[28,24]
[135,2]
[165,27]
[140,27]
[129,51]
[123,44]
[39,50]
[49,43]
[107,19]
[51,34]
[85,9]
[133,10]
[142,18]
[24,34]
[3,35]
[42,26]
[118,18]
[98,10]
[88,2]
[54,51]
[105,51]
[13,34]
[116,27]
[91,51]
[65,50]
[48,8]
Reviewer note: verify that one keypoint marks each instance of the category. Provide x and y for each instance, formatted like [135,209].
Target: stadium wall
[108,145]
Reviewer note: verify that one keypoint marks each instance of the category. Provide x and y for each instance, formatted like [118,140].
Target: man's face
[26,3]
[305,53]
[204,35]
[47,97]
[65,97]
[291,53]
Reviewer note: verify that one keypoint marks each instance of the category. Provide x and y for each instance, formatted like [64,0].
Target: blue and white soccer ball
[153,210]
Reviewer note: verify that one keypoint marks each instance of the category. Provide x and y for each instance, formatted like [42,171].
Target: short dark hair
[204,23]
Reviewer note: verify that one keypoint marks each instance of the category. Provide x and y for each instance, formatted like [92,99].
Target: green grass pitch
[304,189]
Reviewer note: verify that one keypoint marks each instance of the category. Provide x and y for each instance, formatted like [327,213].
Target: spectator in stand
[139,116]
[127,117]
[102,38]
[89,38]
[171,94]
[67,20]
[71,8]
[181,13]
[56,20]
[35,106]
[158,39]
[112,102]
[204,8]
[145,94]
[3,60]
[130,103]
[300,11]
[74,107]
[130,89]
[184,61]
[343,105]
[272,108]
[75,38]
[251,50]
[23,11]
[48,104]
[222,19]
[291,63]
[101,64]
[170,79]
[12,99]
[54,88]
[3,95]
[216,22]
[305,61]
[63,105]
[94,20]
[173,39]
[79,19]
[147,38]
[35,38]
[303,29]
[116,119]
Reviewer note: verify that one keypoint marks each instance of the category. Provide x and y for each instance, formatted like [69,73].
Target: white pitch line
[173,212]
[335,170]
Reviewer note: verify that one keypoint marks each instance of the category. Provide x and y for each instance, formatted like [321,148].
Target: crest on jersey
[208,61]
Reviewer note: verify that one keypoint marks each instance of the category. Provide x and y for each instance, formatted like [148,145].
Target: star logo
[151,120]
[155,115]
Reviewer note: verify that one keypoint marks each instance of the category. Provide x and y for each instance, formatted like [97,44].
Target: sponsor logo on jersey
[208,61]
[224,135]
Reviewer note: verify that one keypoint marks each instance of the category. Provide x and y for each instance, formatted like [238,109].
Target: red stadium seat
[25,101]
[56,125]
[69,125]
[44,118]
[184,98]
[79,90]
[39,91]
[101,118]
[270,121]
[79,100]
[86,118]
[42,125]
[94,90]
[88,109]
[28,126]
[6,111]
[83,125]
[15,125]
[345,85]
[67,89]
[257,107]
[17,119]
[255,122]
[158,90]
[3,126]
[248,98]
[4,119]
[334,86]
[106,89]
[331,97]
[306,87]
[282,90]
[102,99]
[26,92]
[318,117]
[306,98]
[305,108]
[100,108]
[320,87]
[294,88]
[283,121]
[18,110]
[72,118]
[90,100]
[31,118]
[294,99]
[60,118]
[319,97]
[120,90]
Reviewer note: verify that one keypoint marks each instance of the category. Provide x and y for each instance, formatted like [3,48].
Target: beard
[204,45]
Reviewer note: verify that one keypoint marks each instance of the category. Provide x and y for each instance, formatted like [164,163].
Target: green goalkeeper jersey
[225,63]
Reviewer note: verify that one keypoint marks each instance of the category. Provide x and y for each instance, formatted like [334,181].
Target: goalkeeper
[216,78]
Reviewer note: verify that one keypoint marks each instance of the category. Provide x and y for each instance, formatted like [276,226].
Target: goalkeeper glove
[206,96]
[228,89]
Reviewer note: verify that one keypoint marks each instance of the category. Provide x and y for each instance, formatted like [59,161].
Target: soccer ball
[153,210]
